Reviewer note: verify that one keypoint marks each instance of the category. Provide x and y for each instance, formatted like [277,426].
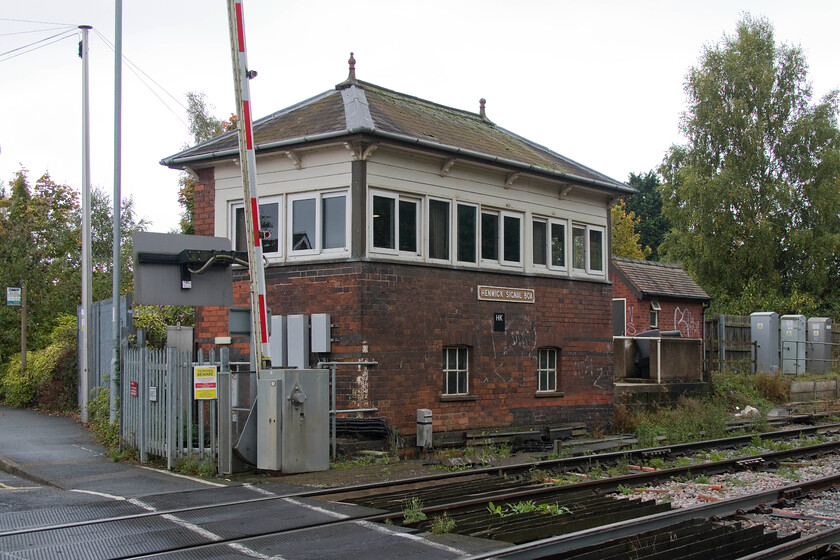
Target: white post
[86,265]
[115,285]
[248,166]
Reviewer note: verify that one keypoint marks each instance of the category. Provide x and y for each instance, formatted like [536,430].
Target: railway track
[519,515]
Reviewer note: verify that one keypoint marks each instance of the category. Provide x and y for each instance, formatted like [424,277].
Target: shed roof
[355,107]
[649,279]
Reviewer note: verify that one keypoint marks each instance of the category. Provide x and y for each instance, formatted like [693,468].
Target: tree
[754,193]
[625,240]
[39,246]
[102,243]
[647,205]
[203,126]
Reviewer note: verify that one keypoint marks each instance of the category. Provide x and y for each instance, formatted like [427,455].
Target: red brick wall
[403,315]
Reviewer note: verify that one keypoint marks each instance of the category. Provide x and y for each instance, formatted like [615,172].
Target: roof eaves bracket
[447,165]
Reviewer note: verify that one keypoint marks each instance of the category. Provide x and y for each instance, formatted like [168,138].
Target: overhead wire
[8,55]
[38,22]
[65,27]
[136,70]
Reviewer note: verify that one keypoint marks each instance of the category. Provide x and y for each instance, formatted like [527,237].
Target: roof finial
[352,63]
[481,112]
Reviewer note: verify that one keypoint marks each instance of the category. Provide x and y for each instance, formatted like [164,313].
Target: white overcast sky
[600,82]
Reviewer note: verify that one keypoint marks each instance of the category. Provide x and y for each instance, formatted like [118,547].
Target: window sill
[458,398]
[549,394]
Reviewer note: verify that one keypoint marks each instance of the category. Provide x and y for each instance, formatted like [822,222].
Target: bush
[51,378]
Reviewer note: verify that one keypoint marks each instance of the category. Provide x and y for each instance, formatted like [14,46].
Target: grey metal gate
[160,415]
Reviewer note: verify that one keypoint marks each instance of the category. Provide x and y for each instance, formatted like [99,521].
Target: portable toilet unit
[819,345]
[764,334]
[793,343]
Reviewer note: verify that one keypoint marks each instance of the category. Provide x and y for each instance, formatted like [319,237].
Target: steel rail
[602,485]
[566,543]
[578,539]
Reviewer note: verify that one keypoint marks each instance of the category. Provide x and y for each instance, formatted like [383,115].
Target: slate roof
[649,279]
[355,107]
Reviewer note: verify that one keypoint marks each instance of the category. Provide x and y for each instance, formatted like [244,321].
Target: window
[547,369]
[467,233]
[317,223]
[596,250]
[395,224]
[438,229]
[579,247]
[655,308]
[489,236]
[334,223]
[455,370]
[549,243]
[588,249]
[511,239]
[558,245]
[540,232]
[501,237]
[269,226]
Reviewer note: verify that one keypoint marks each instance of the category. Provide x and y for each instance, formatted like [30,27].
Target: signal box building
[469,263]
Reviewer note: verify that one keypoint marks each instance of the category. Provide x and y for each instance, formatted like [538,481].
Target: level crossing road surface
[55,482]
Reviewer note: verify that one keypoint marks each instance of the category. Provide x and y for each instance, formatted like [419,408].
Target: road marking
[103,494]
[7,487]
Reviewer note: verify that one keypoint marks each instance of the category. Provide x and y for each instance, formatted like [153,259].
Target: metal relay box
[293,431]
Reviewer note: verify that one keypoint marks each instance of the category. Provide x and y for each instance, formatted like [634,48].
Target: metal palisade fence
[160,414]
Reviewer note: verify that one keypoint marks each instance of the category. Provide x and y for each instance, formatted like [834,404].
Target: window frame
[448,373]
[476,240]
[503,239]
[588,231]
[235,205]
[397,197]
[655,308]
[548,246]
[448,234]
[548,372]
[318,246]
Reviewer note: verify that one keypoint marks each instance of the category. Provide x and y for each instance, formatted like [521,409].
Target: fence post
[141,395]
[172,368]
[224,417]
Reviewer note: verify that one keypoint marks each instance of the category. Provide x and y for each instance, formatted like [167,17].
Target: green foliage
[527,506]
[99,411]
[625,238]
[412,511]
[647,205]
[50,379]
[442,524]
[154,320]
[40,246]
[754,196]
[690,420]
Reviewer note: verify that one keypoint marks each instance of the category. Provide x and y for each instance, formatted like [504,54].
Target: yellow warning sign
[205,382]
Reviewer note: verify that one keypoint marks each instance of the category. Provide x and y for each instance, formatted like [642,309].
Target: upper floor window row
[315,224]
[447,231]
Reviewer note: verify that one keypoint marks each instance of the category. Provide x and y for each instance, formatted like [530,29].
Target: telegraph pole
[248,165]
[115,285]
[86,272]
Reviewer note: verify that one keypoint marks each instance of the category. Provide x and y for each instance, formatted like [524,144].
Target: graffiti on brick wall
[520,334]
[361,391]
[683,320]
[630,326]
[587,368]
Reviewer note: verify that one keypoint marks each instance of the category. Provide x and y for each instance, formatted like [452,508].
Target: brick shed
[470,263]
[656,295]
